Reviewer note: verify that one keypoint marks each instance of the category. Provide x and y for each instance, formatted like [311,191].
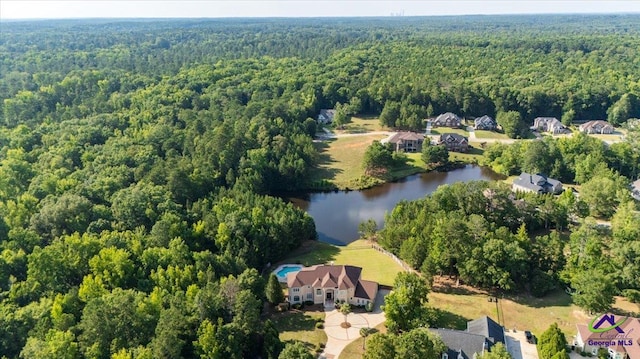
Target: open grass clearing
[341,159]
[363,124]
[375,265]
[301,326]
[442,130]
[473,155]
[522,312]
[490,134]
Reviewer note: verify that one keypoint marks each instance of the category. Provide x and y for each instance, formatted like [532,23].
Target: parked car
[530,338]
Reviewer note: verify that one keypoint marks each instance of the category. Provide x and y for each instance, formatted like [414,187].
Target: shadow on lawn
[323,170]
[557,298]
[450,320]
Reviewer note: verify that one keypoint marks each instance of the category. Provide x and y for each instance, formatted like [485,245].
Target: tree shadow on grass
[324,171]
[556,298]
[450,320]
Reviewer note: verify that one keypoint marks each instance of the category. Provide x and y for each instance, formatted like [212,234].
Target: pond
[338,214]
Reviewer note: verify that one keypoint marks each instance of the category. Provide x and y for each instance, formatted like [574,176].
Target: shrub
[369,307]
[319,325]
[632,294]
[298,306]
[308,302]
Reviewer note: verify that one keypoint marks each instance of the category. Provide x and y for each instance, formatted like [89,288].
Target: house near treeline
[406,141]
[597,127]
[549,124]
[326,116]
[327,284]
[622,340]
[536,183]
[481,335]
[447,119]
[454,142]
[485,123]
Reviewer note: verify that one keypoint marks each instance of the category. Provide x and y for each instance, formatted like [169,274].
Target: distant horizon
[15,10]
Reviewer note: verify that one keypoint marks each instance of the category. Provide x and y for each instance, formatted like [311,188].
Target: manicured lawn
[341,159]
[490,134]
[441,130]
[354,350]
[473,155]
[300,325]
[617,135]
[375,265]
[361,124]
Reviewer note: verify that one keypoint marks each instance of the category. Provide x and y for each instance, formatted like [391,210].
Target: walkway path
[338,338]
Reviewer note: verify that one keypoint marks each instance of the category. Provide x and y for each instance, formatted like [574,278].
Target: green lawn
[441,130]
[354,350]
[375,265]
[301,326]
[362,124]
[341,160]
[473,155]
[490,134]
[520,312]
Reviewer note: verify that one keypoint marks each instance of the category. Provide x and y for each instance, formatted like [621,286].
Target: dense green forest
[140,159]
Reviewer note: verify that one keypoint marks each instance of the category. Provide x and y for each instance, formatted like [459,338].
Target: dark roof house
[481,334]
[549,124]
[485,123]
[454,142]
[536,183]
[447,119]
[407,141]
[326,116]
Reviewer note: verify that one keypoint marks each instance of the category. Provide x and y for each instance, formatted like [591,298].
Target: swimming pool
[282,271]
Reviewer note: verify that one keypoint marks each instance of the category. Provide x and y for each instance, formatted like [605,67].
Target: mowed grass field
[362,124]
[490,134]
[520,312]
[300,325]
[375,265]
[341,159]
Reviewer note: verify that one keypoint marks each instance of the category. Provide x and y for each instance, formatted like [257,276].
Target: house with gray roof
[448,119]
[326,284]
[454,142]
[406,141]
[536,183]
[481,335]
[549,124]
[326,116]
[597,127]
[485,123]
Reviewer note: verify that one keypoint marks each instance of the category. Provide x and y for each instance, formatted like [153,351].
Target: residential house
[549,124]
[596,126]
[485,123]
[635,190]
[536,183]
[448,119]
[326,284]
[620,344]
[406,141]
[481,335]
[326,116]
[454,142]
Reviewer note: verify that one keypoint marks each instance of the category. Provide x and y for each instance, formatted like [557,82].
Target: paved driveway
[338,338]
[518,346]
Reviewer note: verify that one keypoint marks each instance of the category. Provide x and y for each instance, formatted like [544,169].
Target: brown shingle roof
[406,136]
[631,328]
[331,276]
[366,289]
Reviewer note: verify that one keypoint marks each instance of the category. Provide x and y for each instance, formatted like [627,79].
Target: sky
[54,9]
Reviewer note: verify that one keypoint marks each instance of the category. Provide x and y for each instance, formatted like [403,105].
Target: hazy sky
[26,9]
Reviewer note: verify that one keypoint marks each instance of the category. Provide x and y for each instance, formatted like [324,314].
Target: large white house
[326,284]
